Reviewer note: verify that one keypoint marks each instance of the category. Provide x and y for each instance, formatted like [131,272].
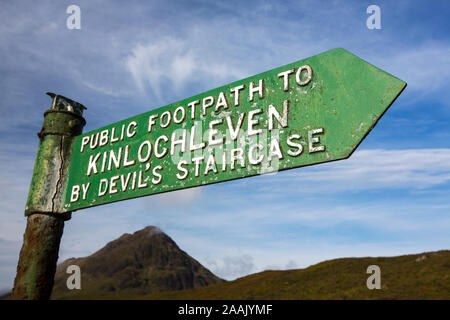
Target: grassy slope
[420,276]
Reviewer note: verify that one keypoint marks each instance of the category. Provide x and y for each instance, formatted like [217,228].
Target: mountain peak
[146,261]
[147,231]
[150,231]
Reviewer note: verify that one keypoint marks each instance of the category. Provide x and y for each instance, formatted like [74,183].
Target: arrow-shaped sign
[315,110]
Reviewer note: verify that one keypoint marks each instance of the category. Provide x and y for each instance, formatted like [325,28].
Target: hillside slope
[419,276]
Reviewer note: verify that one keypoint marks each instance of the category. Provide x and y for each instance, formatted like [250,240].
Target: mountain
[419,276]
[149,265]
[147,261]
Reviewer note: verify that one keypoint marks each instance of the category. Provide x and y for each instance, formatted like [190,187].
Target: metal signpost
[312,111]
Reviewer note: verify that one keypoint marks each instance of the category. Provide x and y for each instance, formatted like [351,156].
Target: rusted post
[45,215]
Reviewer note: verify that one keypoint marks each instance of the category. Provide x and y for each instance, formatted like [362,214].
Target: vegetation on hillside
[419,276]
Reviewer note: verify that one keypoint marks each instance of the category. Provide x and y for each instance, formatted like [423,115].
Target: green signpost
[311,111]
[308,112]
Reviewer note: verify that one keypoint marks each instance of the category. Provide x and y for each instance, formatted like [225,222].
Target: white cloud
[412,169]
[180,198]
[291,265]
[231,267]
[424,66]
[174,63]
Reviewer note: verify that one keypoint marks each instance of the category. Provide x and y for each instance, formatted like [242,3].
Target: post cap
[62,103]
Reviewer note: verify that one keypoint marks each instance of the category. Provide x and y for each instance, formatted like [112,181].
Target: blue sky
[391,197]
